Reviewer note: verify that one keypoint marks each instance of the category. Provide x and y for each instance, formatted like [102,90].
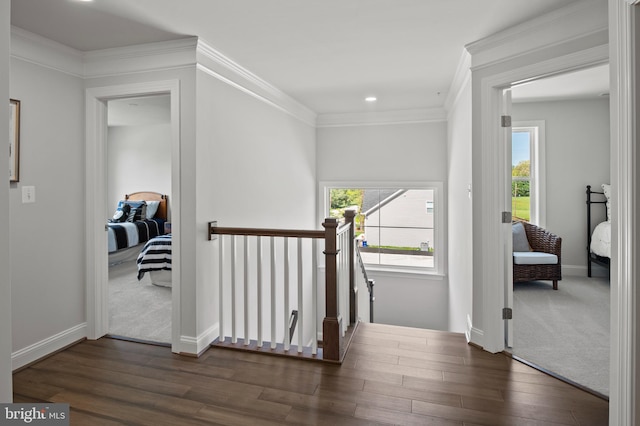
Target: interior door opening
[138,148]
[561,144]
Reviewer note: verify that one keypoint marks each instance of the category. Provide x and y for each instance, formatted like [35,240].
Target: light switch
[28,194]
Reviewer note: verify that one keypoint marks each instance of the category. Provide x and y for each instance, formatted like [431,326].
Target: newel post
[349,217]
[332,345]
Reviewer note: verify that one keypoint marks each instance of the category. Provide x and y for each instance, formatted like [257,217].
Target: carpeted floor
[565,331]
[138,309]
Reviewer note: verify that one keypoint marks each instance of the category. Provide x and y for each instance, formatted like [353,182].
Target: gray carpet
[565,331]
[138,309]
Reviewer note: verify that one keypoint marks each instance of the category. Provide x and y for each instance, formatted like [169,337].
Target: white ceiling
[587,83]
[327,54]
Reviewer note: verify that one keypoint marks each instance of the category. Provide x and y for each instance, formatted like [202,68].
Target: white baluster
[300,299]
[234,337]
[287,272]
[259,282]
[314,295]
[220,287]
[246,291]
[273,293]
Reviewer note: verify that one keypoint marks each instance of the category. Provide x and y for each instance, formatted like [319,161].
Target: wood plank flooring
[391,375]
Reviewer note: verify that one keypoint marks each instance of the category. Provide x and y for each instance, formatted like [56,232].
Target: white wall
[383,153]
[393,153]
[6,386]
[47,237]
[577,154]
[460,211]
[255,167]
[138,159]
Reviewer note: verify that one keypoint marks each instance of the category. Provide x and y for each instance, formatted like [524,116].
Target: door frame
[494,179]
[97,300]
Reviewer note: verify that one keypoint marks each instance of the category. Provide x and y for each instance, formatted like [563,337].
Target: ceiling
[586,83]
[327,54]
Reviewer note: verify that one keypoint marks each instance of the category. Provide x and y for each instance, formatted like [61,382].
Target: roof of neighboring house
[373,199]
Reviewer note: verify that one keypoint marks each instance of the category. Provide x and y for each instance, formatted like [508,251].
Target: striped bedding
[129,234]
[155,256]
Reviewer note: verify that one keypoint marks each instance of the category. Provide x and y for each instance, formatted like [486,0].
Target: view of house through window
[394,226]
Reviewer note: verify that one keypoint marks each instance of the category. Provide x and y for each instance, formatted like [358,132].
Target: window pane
[521,173]
[395,226]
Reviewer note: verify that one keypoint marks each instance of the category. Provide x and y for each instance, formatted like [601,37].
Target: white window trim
[439,219]
[538,171]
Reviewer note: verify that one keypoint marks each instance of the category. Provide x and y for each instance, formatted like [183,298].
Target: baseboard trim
[467,332]
[48,346]
[195,346]
[574,270]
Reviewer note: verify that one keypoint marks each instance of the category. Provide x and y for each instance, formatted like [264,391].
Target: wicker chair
[544,241]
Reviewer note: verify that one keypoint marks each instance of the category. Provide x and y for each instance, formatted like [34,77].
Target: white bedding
[601,240]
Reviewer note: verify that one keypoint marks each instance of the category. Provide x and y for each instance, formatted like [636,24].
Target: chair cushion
[520,241]
[534,258]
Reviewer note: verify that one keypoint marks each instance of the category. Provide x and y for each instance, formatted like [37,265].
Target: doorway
[138,159]
[564,332]
[98,211]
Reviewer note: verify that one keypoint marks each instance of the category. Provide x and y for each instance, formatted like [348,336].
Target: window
[527,172]
[396,227]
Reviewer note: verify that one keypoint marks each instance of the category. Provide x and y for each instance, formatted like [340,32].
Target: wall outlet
[28,194]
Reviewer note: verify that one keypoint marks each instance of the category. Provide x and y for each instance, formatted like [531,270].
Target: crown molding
[460,80]
[140,58]
[578,20]
[225,69]
[376,118]
[173,54]
[35,49]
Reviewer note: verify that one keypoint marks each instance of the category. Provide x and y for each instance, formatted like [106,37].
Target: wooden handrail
[264,232]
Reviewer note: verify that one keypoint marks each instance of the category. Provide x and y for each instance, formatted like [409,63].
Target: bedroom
[575,123]
[139,159]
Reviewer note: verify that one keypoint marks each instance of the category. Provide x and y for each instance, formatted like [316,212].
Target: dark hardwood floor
[392,375]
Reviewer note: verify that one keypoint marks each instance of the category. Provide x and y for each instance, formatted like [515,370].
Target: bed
[139,217]
[155,259]
[598,235]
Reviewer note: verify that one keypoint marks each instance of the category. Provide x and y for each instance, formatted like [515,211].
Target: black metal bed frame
[591,257]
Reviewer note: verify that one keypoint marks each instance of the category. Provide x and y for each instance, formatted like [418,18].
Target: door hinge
[505,120]
[506,217]
[507,313]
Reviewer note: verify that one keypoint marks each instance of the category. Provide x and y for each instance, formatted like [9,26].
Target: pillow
[138,211]
[121,214]
[520,241]
[152,208]
[606,188]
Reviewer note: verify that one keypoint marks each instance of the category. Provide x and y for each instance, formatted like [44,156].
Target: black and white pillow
[138,210]
[122,213]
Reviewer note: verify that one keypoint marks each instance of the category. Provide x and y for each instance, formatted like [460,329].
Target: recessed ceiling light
[370,99]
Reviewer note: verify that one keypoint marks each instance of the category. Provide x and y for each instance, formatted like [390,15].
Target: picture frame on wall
[14,140]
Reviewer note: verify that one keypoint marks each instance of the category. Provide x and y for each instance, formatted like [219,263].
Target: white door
[505,143]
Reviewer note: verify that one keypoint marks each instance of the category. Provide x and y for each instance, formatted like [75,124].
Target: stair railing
[257,289]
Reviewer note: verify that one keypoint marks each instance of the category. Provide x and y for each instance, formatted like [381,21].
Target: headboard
[151,196]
